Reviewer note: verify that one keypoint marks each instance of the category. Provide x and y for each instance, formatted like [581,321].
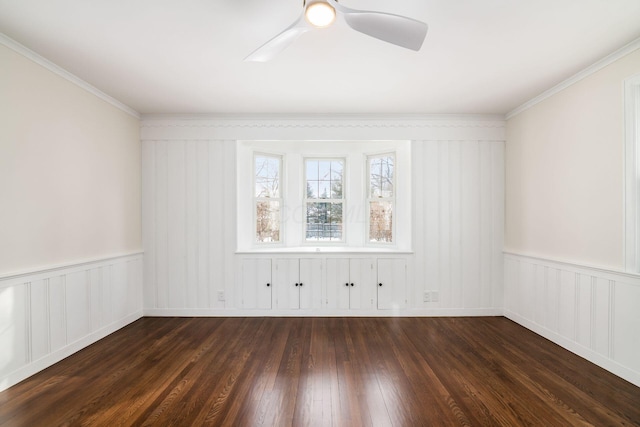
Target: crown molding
[29,54]
[592,69]
[240,121]
[323,127]
[328,117]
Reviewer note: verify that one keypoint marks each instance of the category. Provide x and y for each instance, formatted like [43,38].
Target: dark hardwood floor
[322,371]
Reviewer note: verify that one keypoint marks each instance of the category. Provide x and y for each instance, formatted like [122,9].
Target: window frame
[306,201]
[632,173]
[369,199]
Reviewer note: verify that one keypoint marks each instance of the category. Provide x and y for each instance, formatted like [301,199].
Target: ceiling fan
[395,29]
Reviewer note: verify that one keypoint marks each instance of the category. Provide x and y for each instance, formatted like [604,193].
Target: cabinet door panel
[285,277]
[392,274]
[256,274]
[337,276]
[311,279]
[363,277]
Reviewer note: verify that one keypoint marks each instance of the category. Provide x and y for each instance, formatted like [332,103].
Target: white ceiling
[186,56]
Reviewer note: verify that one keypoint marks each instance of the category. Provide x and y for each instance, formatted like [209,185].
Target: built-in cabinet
[351,283]
[255,283]
[317,283]
[297,283]
[392,284]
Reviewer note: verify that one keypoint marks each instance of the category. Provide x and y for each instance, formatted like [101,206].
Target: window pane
[268,221]
[381,175]
[312,170]
[324,222]
[324,170]
[324,191]
[386,177]
[324,179]
[267,175]
[336,179]
[312,189]
[381,222]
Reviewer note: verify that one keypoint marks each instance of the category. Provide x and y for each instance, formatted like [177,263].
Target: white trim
[295,127]
[79,264]
[607,60]
[571,265]
[314,120]
[326,251]
[631,174]
[421,312]
[33,56]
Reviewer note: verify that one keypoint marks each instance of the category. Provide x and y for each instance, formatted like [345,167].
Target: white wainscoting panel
[458,200]
[49,314]
[189,199]
[592,312]
[189,223]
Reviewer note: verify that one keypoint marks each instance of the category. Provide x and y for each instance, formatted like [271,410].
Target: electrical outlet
[220,295]
[435,296]
[427,296]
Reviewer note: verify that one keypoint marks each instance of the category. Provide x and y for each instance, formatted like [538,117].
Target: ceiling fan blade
[280,42]
[395,29]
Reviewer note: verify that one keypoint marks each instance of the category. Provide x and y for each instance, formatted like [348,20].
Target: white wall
[565,172]
[565,216]
[190,220]
[69,171]
[70,221]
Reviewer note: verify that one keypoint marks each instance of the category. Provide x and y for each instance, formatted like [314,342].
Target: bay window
[323,195]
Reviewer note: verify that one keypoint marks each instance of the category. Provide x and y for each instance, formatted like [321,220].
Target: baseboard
[55,311]
[426,312]
[584,352]
[36,366]
[590,311]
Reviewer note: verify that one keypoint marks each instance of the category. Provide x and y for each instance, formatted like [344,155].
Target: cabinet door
[392,284]
[362,275]
[256,283]
[337,283]
[310,283]
[286,280]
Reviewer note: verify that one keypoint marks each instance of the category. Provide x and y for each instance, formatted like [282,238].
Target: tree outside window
[324,200]
[267,198]
[381,198]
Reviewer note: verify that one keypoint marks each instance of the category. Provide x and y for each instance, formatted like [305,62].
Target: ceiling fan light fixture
[320,14]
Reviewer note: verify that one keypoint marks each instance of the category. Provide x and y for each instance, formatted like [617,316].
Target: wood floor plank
[322,372]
